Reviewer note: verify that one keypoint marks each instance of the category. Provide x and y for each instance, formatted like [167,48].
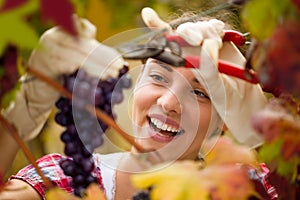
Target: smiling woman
[167,102]
[174,109]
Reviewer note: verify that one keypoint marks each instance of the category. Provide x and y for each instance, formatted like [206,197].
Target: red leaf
[10,77]
[60,12]
[2,184]
[11,4]
[297,4]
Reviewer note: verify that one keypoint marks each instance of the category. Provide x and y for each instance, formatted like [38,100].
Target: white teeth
[160,125]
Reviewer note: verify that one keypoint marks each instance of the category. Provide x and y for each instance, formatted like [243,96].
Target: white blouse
[108,164]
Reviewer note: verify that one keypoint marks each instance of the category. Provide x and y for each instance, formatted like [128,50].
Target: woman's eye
[158,78]
[200,94]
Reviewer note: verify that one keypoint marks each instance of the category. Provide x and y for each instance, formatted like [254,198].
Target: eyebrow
[196,81]
[163,65]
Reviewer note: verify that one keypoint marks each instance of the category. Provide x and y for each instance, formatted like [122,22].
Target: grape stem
[93,110]
[25,149]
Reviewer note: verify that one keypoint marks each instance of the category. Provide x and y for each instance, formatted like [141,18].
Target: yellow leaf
[93,192]
[226,151]
[158,173]
[178,181]
[59,194]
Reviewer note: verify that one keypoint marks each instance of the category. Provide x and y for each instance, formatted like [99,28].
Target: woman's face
[171,111]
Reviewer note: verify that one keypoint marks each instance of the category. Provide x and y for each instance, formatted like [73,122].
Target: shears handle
[226,68]
[236,37]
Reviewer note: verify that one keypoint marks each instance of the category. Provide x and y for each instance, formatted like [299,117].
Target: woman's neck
[129,164]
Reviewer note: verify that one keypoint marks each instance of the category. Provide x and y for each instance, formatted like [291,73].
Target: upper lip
[166,121]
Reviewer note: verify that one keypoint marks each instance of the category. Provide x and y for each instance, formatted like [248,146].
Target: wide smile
[162,131]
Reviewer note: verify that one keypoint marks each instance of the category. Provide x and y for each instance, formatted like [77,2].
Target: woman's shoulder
[107,161]
[111,157]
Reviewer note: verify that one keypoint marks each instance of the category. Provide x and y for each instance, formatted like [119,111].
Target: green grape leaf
[9,96]
[59,12]
[261,17]
[270,151]
[126,12]
[16,30]
[80,6]
[287,168]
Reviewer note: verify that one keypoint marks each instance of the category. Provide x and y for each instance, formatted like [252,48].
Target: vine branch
[25,149]
[92,109]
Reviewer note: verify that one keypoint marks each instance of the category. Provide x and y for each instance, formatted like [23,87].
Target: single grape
[108,84]
[63,118]
[87,164]
[79,191]
[142,195]
[81,89]
[71,148]
[68,166]
[69,83]
[117,97]
[79,179]
[126,81]
[63,104]
[66,137]
[91,179]
[97,96]
[72,131]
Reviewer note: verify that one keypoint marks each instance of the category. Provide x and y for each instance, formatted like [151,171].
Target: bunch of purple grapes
[83,133]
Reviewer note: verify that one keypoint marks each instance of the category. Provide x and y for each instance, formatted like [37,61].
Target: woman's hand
[58,54]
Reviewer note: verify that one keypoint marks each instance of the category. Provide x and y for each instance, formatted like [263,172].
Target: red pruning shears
[156,46]
[225,67]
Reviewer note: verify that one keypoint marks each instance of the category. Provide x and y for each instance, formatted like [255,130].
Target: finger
[84,27]
[211,47]
[188,32]
[196,32]
[152,20]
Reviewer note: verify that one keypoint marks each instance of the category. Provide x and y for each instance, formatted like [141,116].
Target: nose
[169,102]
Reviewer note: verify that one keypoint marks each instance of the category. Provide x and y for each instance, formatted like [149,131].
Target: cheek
[142,101]
[199,121]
